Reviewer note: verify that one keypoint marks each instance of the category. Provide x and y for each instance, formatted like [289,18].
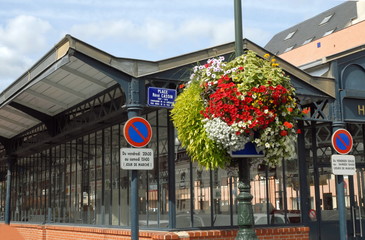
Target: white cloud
[25,34]
[157,34]
[20,37]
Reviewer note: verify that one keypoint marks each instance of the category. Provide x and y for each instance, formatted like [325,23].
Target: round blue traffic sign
[137,132]
[342,141]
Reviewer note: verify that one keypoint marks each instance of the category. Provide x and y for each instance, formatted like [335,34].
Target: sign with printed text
[343,164]
[136,158]
[161,97]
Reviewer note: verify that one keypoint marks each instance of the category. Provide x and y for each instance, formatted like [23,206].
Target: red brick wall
[58,232]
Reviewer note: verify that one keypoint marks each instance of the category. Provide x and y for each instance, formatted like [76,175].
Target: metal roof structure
[73,72]
[325,23]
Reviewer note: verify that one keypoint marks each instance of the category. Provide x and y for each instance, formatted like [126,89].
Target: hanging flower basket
[228,104]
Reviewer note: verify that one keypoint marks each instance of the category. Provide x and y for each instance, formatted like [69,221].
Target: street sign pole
[342,143]
[134,109]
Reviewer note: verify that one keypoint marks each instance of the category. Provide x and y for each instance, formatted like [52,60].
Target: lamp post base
[244,206]
[246,234]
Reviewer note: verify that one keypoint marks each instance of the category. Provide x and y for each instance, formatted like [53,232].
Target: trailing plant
[227,104]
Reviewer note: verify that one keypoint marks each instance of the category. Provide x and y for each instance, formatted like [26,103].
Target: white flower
[220,132]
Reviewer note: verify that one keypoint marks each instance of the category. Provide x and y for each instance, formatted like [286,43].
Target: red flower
[181,86]
[299,131]
[283,133]
[288,124]
[306,110]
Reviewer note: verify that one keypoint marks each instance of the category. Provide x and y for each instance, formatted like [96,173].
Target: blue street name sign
[161,97]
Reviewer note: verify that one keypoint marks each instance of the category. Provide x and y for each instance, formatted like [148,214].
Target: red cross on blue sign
[342,141]
[137,131]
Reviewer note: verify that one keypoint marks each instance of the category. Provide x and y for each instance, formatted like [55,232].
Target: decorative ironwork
[92,111]
[320,110]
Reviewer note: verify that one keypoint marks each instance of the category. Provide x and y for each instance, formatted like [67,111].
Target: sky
[139,29]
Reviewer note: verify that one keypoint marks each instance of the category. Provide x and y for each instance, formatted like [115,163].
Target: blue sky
[141,29]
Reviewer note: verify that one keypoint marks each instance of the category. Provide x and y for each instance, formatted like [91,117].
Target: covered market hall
[61,131]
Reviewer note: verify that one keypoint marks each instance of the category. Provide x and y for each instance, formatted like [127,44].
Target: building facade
[331,44]
[62,131]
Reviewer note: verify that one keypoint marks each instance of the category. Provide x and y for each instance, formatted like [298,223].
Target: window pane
[99,178]
[115,175]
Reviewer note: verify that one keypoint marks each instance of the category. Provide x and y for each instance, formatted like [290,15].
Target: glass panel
[327,188]
[153,214]
[64,177]
[163,190]
[221,198]
[74,191]
[202,199]
[2,200]
[68,181]
[163,173]
[85,160]
[59,184]
[99,178]
[262,206]
[107,176]
[359,189]
[307,131]
[183,191]
[115,175]
[292,191]
[92,172]
[44,184]
[124,190]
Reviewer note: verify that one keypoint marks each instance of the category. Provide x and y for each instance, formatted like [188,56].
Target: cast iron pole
[238,28]
[337,124]
[244,206]
[134,110]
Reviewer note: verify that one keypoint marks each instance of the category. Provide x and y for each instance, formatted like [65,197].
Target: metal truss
[90,114]
[320,110]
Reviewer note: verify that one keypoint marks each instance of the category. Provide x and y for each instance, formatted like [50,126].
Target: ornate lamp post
[244,205]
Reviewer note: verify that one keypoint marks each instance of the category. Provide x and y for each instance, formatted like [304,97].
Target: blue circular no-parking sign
[137,131]
[342,141]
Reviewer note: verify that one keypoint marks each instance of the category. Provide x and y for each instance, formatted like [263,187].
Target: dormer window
[308,40]
[328,32]
[288,49]
[326,19]
[290,35]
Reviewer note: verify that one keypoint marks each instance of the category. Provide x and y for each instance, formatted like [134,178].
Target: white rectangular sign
[343,164]
[136,158]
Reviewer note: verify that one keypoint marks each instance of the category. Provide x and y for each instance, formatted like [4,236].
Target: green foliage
[245,72]
[258,71]
[192,135]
